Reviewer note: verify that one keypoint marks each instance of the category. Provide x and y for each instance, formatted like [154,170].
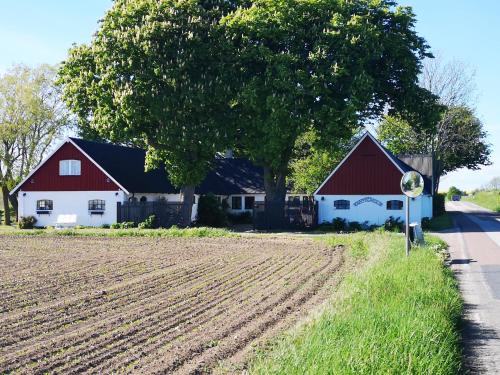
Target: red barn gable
[367,170]
[47,178]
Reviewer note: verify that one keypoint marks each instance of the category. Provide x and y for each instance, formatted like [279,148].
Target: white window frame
[241,202]
[70,167]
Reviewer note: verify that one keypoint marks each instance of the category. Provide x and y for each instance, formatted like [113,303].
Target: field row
[169,305]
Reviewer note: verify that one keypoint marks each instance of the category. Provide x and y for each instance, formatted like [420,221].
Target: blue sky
[34,32]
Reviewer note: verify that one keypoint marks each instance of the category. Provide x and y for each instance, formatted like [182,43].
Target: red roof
[367,169]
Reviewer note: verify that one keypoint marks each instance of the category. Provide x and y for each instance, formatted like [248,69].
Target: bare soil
[146,305]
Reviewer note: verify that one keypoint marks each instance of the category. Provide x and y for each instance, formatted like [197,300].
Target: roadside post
[412,185]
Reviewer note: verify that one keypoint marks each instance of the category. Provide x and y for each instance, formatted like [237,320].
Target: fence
[167,213]
[296,215]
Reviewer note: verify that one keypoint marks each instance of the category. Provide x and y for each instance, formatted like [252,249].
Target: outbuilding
[365,186]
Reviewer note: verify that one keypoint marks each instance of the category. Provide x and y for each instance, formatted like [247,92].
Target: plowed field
[180,305]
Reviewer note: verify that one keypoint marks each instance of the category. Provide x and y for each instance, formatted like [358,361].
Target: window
[394,205]
[342,204]
[236,203]
[97,205]
[293,200]
[44,205]
[70,167]
[249,201]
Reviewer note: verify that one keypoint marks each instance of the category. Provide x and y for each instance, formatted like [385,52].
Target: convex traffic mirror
[412,184]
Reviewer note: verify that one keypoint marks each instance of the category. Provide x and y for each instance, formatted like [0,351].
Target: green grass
[439,223]
[486,199]
[133,232]
[397,315]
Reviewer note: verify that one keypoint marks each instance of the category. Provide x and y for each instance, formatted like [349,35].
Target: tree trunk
[6,207]
[275,187]
[15,206]
[187,193]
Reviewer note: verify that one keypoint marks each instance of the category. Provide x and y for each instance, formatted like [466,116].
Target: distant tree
[457,141]
[32,117]
[453,191]
[494,184]
[325,65]
[453,82]
[158,73]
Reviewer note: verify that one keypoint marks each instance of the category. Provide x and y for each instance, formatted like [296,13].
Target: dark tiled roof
[233,176]
[126,165]
[404,165]
[414,163]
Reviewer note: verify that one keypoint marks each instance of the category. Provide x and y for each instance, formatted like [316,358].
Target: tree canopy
[190,78]
[32,117]
[320,65]
[457,140]
[158,73]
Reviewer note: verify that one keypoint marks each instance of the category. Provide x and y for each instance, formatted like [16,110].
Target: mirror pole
[407,224]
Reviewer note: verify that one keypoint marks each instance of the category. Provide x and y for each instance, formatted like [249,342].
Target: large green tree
[325,65]
[32,117]
[159,73]
[457,140]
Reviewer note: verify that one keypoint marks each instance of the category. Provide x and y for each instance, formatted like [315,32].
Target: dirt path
[73,305]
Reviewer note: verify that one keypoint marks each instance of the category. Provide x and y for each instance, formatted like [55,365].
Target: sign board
[368,200]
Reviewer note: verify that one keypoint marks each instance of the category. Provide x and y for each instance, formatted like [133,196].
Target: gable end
[367,169]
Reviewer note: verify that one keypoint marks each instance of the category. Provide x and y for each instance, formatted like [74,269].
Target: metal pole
[407,223]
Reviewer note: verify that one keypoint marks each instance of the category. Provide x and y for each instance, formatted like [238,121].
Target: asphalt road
[475,258]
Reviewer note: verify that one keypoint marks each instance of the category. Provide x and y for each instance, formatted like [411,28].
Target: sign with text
[368,200]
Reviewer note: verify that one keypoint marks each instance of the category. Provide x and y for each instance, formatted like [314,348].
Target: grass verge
[486,199]
[133,232]
[398,315]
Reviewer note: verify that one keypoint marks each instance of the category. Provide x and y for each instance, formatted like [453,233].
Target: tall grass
[133,232]
[487,199]
[398,316]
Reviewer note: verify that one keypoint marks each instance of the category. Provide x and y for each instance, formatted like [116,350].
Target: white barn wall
[70,203]
[369,211]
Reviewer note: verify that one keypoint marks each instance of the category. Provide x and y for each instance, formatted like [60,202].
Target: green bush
[339,224]
[115,226]
[393,224]
[127,225]
[438,204]
[105,226]
[355,226]
[211,213]
[27,222]
[149,223]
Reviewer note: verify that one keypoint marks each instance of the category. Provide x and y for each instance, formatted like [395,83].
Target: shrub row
[342,225]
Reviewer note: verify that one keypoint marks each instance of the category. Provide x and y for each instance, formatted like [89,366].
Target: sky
[34,32]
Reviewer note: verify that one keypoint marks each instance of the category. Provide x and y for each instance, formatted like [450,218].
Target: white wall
[370,211]
[70,203]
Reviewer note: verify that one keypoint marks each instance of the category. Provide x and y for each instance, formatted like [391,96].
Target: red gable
[47,178]
[367,170]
